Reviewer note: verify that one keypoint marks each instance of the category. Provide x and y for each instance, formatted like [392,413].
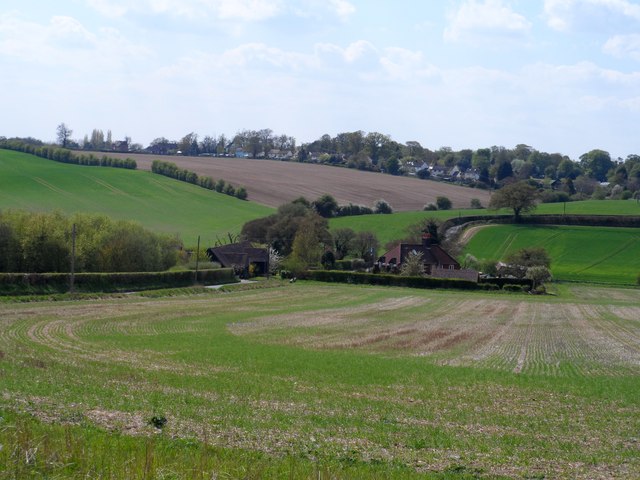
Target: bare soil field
[273,183]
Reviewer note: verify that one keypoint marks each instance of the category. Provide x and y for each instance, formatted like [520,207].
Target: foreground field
[327,381]
[158,203]
[584,254]
[273,183]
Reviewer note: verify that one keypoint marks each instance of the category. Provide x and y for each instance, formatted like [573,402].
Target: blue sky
[559,75]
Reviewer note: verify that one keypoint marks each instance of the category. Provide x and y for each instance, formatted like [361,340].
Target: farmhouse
[436,261]
[240,256]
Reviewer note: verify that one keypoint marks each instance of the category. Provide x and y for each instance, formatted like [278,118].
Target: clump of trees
[42,242]
[300,234]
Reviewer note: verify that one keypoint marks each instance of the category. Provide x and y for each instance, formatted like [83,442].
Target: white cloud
[562,14]
[241,10]
[482,20]
[64,41]
[236,10]
[623,46]
[343,8]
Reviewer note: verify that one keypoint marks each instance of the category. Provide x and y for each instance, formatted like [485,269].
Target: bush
[430,207]
[488,286]
[443,203]
[381,206]
[475,203]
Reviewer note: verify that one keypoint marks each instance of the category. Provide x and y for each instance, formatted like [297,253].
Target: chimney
[426,240]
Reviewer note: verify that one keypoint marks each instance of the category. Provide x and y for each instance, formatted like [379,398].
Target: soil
[273,183]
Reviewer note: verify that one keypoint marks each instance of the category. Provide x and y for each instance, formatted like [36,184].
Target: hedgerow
[40,283]
[169,169]
[64,155]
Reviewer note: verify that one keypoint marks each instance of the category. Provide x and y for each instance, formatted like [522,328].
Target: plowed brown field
[273,183]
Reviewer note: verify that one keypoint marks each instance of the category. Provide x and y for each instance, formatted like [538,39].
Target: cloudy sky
[559,75]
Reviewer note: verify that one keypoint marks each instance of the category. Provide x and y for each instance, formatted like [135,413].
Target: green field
[394,226]
[158,203]
[323,381]
[582,254]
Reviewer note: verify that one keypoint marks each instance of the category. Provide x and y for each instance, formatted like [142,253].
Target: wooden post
[197,258]
[73,260]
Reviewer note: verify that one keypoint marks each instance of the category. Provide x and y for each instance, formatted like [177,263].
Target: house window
[451,267]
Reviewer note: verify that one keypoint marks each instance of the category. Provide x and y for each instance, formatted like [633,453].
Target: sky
[558,75]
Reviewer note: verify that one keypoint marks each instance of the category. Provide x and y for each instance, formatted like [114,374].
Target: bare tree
[64,134]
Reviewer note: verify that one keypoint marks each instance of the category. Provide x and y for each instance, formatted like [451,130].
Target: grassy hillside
[609,255]
[323,381]
[158,203]
[394,226]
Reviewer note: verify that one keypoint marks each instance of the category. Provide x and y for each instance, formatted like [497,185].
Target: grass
[394,226]
[584,254]
[158,203]
[308,380]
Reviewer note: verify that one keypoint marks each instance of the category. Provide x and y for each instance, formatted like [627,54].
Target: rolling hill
[273,183]
[158,203]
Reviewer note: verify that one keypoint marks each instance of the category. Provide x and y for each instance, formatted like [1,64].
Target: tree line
[64,155]
[492,167]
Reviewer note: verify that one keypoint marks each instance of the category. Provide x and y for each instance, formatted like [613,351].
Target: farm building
[437,262]
[240,256]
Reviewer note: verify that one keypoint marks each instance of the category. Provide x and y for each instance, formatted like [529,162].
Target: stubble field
[273,183]
[332,382]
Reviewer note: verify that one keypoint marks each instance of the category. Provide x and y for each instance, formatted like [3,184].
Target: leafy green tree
[342,241]
[538,274]
[596,164]
[519,196]
[530,257]
[326,206]
[312,236]
[413,265]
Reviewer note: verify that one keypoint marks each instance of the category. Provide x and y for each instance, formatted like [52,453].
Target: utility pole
[73,260]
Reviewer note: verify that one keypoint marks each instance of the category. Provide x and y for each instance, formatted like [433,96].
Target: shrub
[475,203]
[382,206]
[443,203]
[488,286]
[430,207]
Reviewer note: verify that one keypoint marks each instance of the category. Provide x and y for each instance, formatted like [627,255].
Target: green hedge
[64,155]
[34,283]
[501,282]
[171,170]
[336,276]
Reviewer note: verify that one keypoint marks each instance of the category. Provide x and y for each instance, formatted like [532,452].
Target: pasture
[579,254]
[324,381]
[158,203]
[394,226]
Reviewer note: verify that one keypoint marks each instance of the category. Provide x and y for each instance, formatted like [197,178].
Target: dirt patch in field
[273,183]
